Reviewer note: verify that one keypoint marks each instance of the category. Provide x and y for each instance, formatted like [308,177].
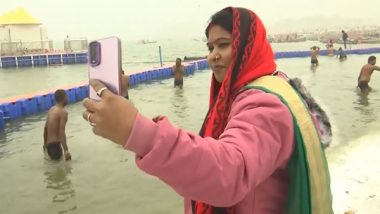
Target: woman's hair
[223,19]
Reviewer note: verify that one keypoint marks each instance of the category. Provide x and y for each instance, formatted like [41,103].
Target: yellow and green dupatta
[309,190]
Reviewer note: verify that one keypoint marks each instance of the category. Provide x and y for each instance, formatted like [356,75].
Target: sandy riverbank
[355,175]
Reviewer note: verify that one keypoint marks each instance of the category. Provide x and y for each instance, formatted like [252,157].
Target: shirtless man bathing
[366,73]
[54,132]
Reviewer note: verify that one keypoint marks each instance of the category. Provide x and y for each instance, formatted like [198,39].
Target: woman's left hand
[112,117]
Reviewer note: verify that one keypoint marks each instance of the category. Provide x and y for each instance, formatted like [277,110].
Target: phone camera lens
[94,53]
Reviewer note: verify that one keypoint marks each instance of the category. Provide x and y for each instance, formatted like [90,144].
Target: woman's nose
[214,55]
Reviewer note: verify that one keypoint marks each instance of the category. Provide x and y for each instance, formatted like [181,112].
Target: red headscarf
[252,57]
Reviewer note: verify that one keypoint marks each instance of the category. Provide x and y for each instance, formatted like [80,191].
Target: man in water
[342,56]
[314,55]
[365,74]
[344,38]
[54,132]
[124,85]
[330,48]
[178,71]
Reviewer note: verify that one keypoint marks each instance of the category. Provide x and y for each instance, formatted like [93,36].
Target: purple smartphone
[104,64]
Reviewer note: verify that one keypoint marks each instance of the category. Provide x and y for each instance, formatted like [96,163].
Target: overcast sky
[152,19]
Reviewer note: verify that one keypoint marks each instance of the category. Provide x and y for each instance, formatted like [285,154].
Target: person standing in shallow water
[314,56]
[178,72]
[341,54]
[54,131]
[250,154]
[366,73]
[124,85]
[330,48]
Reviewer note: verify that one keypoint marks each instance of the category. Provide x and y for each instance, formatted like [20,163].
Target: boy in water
[366,73]
[330,48]
[342,56]
[178,71]
[124,85]
[54,132]
[314,55]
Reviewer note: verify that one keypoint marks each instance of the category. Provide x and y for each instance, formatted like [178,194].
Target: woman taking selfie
[258,150]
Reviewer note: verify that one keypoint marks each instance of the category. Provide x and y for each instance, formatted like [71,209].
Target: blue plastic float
[40,103]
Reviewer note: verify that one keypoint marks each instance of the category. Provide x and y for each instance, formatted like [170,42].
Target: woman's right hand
[112,117]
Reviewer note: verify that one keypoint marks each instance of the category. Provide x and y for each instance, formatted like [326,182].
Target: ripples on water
[59,184]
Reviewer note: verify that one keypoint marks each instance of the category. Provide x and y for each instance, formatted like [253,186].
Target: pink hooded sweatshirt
[246,168]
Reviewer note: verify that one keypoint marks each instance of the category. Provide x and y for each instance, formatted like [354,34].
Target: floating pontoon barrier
[297,54]
[43,60]
[26,105]
[1,120]
[21,106]
[40,60]
[81,58]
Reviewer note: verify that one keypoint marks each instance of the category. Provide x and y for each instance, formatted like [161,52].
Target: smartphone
[104,64]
